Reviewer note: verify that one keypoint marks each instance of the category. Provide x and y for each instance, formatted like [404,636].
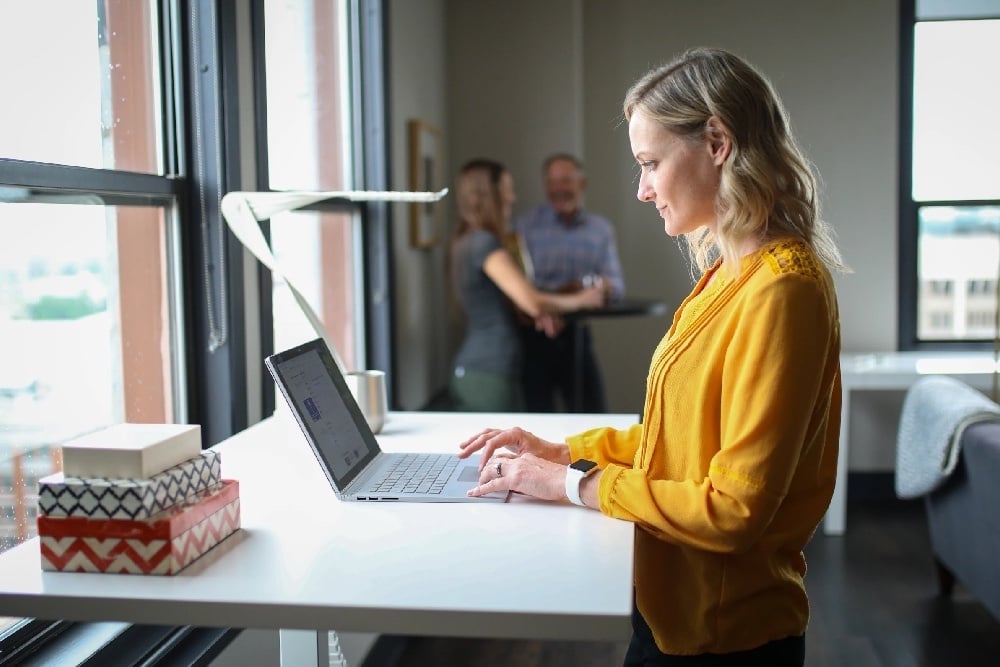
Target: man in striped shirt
[568,248]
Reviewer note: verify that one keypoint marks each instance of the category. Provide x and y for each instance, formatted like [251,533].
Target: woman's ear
[720,140]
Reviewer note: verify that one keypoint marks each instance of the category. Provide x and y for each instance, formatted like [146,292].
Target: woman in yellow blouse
[734,463]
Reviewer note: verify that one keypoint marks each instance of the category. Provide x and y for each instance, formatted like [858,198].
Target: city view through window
[955,149]
[85,288]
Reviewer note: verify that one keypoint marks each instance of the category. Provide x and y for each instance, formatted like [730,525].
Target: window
[939,287]
[981,288]
[308,148]
[117,302]
[90,288]
[99,105]
[322,78]
[980,319]
[950,181]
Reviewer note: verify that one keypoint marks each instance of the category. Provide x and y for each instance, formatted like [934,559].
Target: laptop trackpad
[467,476]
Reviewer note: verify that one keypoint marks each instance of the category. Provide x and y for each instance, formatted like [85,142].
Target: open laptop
[345,446]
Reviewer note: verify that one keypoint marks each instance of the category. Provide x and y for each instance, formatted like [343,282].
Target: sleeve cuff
[608,486]
[580,447]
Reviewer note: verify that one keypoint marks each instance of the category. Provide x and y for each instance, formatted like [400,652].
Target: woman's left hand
[527,474]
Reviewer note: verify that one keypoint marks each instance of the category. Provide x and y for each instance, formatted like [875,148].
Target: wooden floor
[874,603]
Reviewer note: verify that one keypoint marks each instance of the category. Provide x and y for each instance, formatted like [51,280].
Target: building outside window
[950,198]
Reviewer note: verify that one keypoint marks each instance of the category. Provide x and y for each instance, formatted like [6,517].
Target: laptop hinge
[361,481]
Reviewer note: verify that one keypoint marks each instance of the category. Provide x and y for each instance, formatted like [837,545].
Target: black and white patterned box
[104,498]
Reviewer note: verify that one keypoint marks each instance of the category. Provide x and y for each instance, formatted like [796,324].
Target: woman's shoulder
[479,240]
[475,246]
[792,256]
[789,266]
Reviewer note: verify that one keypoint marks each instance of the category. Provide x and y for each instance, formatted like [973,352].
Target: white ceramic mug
[368,388]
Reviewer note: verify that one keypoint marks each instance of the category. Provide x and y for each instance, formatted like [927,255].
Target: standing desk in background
[626,308]
[894,371]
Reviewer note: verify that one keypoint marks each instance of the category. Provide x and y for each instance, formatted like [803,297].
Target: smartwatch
[575,472]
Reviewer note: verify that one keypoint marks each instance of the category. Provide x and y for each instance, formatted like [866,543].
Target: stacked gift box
[135,498]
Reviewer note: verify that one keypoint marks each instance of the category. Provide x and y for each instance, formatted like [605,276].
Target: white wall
[417,90]
[524,78]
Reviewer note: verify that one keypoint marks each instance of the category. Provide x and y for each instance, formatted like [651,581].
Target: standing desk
[303,560]
[626,308]
[888,371]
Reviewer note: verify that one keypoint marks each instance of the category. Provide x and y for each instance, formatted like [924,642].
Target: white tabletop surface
[305,560]
[898,370]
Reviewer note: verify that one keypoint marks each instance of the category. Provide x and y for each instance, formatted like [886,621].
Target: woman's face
[679,176]
[507,196]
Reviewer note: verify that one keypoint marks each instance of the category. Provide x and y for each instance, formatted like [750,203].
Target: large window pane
[956,138]
[308,149]
[307,84]
[315,249]
[81,83]
[959,265]
[87,322]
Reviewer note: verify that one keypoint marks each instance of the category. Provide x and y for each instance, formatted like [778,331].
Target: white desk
[888,371]
[304,560]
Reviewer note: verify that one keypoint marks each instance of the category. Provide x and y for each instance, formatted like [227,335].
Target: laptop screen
[326,410]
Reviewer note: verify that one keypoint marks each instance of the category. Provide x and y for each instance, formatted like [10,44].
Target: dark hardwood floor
[875,600]
[874,603]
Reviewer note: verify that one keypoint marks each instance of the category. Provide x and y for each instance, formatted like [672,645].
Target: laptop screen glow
[325,409]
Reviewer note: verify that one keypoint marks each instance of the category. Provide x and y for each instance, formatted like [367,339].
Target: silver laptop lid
[326,410]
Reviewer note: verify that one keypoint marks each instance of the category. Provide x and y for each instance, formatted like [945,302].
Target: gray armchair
[964,519]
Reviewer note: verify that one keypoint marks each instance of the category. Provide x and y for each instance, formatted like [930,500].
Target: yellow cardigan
[734,463]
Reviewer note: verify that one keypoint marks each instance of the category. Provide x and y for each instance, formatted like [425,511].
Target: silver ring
[499,473]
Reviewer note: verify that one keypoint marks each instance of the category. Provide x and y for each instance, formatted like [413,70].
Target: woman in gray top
[488,284]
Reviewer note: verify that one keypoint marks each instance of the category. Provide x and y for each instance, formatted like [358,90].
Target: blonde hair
[767,187]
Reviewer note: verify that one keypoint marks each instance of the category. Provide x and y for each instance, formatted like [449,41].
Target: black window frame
[909,210]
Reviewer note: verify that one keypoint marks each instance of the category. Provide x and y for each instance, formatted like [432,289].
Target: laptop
[344,445]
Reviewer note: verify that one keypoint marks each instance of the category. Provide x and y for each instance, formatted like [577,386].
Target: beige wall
[515,93]
[835,66]
[518,79]
[417,89]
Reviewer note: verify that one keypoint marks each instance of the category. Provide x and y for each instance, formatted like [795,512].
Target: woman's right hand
[516,440]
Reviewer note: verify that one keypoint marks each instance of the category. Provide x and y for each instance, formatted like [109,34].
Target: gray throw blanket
[936,411]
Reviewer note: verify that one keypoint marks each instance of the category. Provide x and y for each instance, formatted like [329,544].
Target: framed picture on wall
[426,175]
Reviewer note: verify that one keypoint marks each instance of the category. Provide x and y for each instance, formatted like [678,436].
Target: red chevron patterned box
[165,543]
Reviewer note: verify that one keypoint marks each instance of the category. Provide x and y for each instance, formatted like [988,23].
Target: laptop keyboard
[417,473]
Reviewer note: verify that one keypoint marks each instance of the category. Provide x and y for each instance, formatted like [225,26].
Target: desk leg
[305,648]
[836,515]
[577,367]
